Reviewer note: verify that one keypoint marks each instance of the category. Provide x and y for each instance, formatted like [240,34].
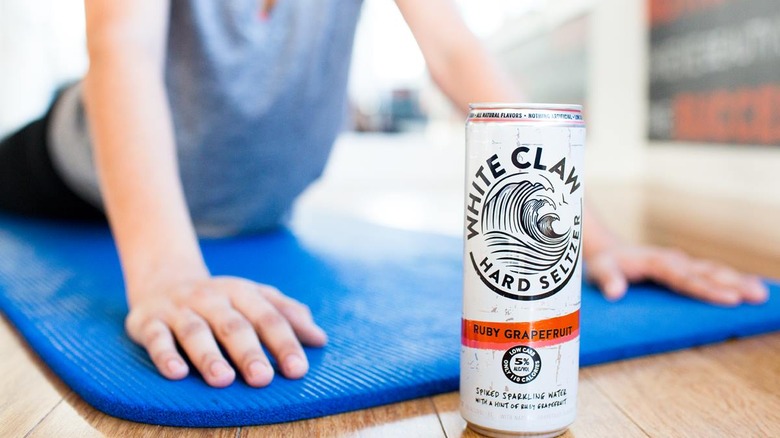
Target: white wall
[616,91]
[41,46]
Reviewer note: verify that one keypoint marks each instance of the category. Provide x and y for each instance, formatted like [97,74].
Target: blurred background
[682,101]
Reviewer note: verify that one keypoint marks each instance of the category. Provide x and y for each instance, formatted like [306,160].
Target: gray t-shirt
[256,102]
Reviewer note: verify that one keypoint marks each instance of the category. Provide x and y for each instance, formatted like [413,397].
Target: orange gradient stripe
[491,335]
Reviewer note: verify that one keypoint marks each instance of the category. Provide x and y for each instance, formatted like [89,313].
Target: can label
[522,268]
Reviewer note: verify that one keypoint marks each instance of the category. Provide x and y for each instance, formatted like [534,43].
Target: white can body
[522,268]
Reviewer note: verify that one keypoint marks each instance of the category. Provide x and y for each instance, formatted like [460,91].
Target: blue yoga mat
[390,301]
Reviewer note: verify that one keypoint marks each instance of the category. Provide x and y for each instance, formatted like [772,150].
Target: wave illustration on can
[522,268]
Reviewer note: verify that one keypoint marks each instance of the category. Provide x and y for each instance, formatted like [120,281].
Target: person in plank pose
[188,123]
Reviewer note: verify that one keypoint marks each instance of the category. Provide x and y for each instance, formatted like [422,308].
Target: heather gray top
[256,104]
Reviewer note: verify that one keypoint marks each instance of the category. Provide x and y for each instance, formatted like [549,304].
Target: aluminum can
[522,268]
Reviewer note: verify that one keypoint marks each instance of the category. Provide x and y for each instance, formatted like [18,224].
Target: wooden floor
[730,389]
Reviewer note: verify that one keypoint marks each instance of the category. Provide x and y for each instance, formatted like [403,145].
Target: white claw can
[522,268]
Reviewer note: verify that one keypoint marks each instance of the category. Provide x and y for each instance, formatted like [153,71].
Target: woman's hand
[614,267]
[239,315]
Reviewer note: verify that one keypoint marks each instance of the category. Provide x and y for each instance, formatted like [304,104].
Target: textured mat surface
[390,301]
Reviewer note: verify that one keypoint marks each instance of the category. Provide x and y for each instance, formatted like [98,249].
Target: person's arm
[463,69]
[171,294]
[457,61]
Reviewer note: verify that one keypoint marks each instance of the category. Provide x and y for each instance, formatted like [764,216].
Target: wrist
[163,274]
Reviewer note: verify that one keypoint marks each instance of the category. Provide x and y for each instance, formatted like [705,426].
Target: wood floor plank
[754,360]
[686,394]
[597,415]
[26,393]
[414,418]
[771,340]
[75,418]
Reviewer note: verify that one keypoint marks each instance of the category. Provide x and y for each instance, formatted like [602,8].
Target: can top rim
[510,105]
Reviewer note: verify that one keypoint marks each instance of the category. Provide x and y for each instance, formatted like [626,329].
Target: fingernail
[614,290]
[220,369]
[761,296]
[176,366]
[321,333]
[759,293]
[294,365]
[259,369]
[730,299]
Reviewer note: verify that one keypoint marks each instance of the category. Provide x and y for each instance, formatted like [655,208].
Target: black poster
[715,71]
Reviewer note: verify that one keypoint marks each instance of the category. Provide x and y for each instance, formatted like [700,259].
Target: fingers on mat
[302,322]
[605,272]
[275,332]
[158,340]
[195,336]
[239,338]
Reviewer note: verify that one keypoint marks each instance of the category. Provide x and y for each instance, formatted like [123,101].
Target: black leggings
[29,184]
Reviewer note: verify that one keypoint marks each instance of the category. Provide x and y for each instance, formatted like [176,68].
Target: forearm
[457,61]
[136,163]
[469,74]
